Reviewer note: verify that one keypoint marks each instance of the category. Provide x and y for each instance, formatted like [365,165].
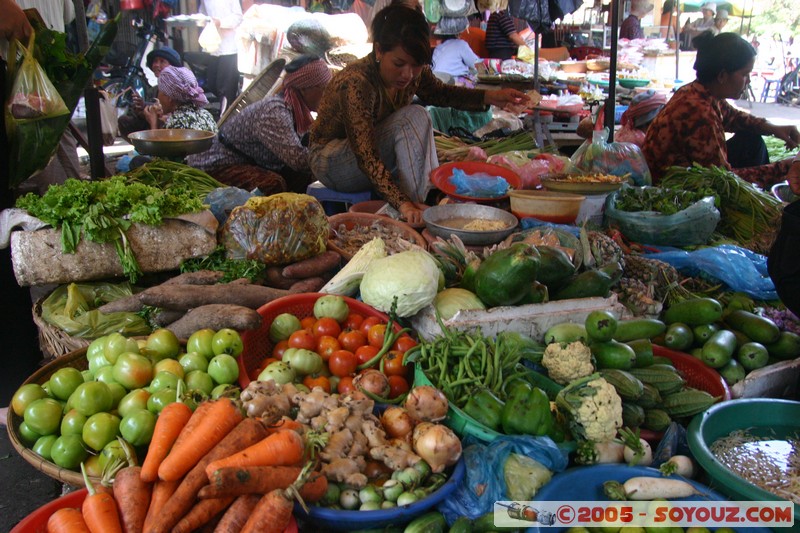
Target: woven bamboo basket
[76,359]
[53,341]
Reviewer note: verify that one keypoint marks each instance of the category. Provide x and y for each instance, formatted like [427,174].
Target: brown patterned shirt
[354,103]
[691,129]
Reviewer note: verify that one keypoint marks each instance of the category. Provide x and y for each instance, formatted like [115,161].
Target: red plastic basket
[258,346]
[440,177]
[696,374]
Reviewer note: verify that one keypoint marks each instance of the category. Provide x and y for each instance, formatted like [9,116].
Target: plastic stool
[336,202]
[768,87]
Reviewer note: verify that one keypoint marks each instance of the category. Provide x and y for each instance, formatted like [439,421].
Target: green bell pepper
[485,408]
[526,411]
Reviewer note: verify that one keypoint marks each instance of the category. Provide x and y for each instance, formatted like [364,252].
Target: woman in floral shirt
[182,101]
[691,127]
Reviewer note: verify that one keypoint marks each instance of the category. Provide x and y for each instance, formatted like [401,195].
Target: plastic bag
[616,158]
[32,95]
[484,482]
[276,230]
[478,185]
[209,39]
[222,201]
[694,225]
[109,119]
[742,270]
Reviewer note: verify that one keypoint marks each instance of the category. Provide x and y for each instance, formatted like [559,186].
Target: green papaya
[587,284]
[554,265]
[537,293]
[504,278]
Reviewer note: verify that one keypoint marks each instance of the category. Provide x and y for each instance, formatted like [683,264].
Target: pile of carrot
[212,469]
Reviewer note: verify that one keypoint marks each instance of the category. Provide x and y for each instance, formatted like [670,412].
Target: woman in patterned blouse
[182,101]
[368,136]
[691,127]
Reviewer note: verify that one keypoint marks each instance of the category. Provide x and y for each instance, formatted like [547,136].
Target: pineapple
[453,258]
[638,298]
[652,272]
[599,249]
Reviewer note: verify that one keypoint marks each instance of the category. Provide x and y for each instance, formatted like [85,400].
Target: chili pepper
[526,411]
[485,408]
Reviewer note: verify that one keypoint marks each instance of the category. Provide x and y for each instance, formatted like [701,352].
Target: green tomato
[117,344]
[225,390]
[282,326]
[199,380]
[163,380]
[92,466]
[44,416]
[162,344]
[64,381]
[25,395]
[169,365]
[96,346]
[160,399]
[96,362]
[68,451]
[91,397]
[304,361]
[44,446]
[118,392]
[133,371]
[105,374]
[194,361]
[331,305]
[223,369]
[87,375]
[135,399]
[27,434]
[227,341]
[200,341]
[137,428]
[73,422]
[279,371]
[100,429]
[114,451]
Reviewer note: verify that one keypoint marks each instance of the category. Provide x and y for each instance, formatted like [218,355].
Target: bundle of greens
[102,211]
[659,199]
[232,268]
[163,173]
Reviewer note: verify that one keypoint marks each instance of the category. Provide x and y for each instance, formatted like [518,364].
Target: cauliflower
[594,408]
[567,362]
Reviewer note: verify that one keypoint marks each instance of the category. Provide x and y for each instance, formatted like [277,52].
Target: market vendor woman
[368,136]
[691,127]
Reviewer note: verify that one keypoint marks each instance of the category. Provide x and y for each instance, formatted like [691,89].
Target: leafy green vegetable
[233,268]
[102,211]
[163,173]
[661,200]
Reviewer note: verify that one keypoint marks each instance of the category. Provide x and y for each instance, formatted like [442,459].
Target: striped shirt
[498,28]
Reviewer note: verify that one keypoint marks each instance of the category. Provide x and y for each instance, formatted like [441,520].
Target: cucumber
[679,336]
[756,327]
[638,328]
[719,349]
[461,525]
[537,379]
[565,332]
[613,354]
[485,524]
[694,312]
[703,332]
[786,347]
[432,522]
[644,352]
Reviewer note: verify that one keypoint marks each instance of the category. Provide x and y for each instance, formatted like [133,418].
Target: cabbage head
[412,276]
[450,301]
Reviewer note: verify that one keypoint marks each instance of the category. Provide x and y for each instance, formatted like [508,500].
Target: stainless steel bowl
[437,218]
[171,142]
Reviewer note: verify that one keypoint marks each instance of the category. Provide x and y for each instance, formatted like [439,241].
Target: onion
[397,422]
[437,445]
[426,403]
[373,381]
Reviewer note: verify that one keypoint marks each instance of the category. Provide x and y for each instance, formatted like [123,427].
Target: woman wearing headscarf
[182,101]
[691,128]
[134,119]
[637,118]
[263,145]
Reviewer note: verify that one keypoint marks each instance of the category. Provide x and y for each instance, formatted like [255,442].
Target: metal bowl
[171,142]
[439,220]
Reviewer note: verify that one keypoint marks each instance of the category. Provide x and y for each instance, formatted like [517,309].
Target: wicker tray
[353,220]
[76,359]
[53,341]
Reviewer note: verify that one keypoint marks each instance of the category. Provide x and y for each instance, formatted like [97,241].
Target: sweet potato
[167,316]
[275,278]
[190,296]
[199,277]
[216,317]
[308,285]
[313,266]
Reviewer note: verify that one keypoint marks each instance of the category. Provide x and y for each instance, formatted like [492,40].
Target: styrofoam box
[532,319]
[778,380]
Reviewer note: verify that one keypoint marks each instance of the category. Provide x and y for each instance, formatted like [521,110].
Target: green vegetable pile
[233,268]
[102,211]
[164,174]
[658,199]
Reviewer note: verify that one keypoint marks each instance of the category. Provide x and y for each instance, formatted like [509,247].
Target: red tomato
[352,340]
[326,345]
[342,363]
[345,385]
[302,338]
[393,364]
[326,326]
[317,381]
[404,344]
[365,353]
[397,386]
[308,322]
[277,351]
[353,321]
[368,323]
[376,334]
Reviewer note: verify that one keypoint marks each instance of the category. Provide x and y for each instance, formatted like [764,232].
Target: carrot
[99,509]
[162,491]
[247,432]
[67,520]
[234,481]
[201,513]
[279,449]
[133,498]
[220,418]
[170,422]
[274,510]
[235,517]
[286,423]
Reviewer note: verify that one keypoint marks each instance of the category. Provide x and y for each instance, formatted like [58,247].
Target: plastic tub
[556,207]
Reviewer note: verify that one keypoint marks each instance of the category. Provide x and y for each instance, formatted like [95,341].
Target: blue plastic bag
[479,185]
[742,270]
[222,200]
[484,481]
